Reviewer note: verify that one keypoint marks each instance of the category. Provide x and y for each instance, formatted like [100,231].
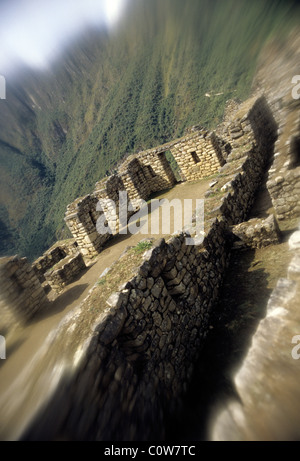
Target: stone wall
[52,257]
[65,271]
[285,193]
[198,154]
[140,358]
[81,218]
[246,164]
[257,233]
[268,409]
[138,179]
[21,293]
[155,169]
[284,176]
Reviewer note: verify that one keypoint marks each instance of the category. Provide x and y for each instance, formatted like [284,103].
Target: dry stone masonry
[65,271]
[234,191]
[140,358]
[257,233]
[198,154]
[21,294]
[272,353]
[53,256]
[276,82]
[284,176]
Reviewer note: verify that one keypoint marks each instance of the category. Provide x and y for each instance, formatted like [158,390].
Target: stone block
[294,241]
[258,233]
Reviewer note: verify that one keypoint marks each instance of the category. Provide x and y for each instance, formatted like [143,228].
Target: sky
[34,32]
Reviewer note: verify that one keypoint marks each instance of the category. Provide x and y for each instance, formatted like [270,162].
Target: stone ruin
[65,271]
[139,358]
[55,254]
[257,233]
[149,337]
[198,154]
[22,294]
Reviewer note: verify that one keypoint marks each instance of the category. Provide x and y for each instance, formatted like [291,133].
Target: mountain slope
[112,94]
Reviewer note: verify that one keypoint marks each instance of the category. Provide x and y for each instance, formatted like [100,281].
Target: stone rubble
[257,233]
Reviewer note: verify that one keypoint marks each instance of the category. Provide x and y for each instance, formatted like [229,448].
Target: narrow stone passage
[248,284]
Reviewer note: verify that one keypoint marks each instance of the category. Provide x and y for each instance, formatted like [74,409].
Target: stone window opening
[151,171]
[174,165]
[195,157]
[295,152]
[92,218]
[18,288]
[141,176]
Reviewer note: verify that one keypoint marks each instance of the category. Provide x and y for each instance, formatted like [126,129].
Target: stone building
[198,154]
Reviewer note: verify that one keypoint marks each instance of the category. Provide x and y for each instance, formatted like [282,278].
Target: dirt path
[27,343]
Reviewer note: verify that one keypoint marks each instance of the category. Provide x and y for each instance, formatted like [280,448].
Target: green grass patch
[101,282]
[141,247]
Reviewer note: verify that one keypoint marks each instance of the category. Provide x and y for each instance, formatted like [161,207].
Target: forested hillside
[115,93]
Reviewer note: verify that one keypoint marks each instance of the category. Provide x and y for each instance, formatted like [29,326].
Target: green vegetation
[121,93]
[101,282]
[141,247]
[174,166]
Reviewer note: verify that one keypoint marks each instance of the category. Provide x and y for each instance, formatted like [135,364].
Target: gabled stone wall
[81,218]
[198,154]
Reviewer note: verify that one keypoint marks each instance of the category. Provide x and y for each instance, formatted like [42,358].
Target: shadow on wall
[261,111]
[242,305]
[295,152]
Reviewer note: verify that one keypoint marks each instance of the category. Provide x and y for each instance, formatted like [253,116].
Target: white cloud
[34,31]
